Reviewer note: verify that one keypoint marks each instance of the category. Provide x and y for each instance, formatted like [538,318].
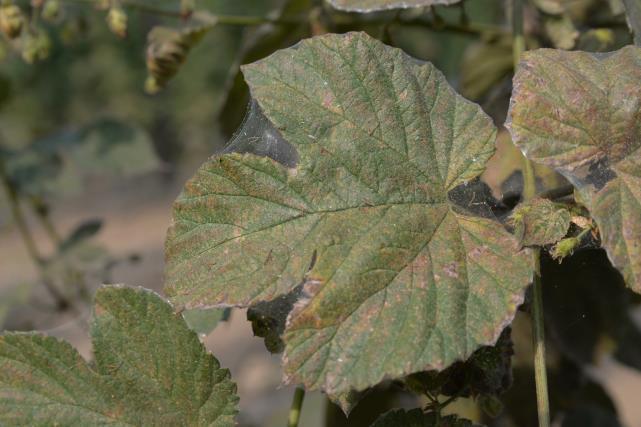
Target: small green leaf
[81,233]
[150,369]
[374,5]
[58,164]
[579,113]
[540,222]
[417,418]
[564,248]
[397,278]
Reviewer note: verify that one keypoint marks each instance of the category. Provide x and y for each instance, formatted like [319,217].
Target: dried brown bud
[11,20]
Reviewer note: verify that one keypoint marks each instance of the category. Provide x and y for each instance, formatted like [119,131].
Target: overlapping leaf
[150,369]
[374,5]
[397,279]
[581,114]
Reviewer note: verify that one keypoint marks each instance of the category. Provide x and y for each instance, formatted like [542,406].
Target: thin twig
[19,218]
[42,212]
[540,369]
[170,13]
[518,39]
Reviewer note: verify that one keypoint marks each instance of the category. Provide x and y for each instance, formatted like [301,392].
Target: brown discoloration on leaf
[392,289]
[581,113]
[450,270]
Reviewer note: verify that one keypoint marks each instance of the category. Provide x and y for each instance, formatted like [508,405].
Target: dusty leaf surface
[150,369]
[374,5]
[581,114]
[540,222]
[396,278]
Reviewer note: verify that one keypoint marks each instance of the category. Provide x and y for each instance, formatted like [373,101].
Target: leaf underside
[396,278]
[374,5]
[150,369]
[581,114]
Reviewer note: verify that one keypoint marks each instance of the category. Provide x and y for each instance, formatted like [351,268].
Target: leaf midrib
[303,215]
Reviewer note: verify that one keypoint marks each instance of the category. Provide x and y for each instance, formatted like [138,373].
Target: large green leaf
[581,114]
[374,5]
[397,278]
[150,369]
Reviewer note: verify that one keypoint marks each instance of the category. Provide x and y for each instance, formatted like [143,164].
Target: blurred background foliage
[108,89]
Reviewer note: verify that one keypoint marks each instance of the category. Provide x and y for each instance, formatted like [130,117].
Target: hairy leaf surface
[581,114]
[150,369]
[396,278]
[539,222]
[374,5]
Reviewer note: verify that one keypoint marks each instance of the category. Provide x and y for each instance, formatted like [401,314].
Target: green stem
[529,191]
[540,370]
[21,223]
[295,410]
[518,43]
[529,180]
